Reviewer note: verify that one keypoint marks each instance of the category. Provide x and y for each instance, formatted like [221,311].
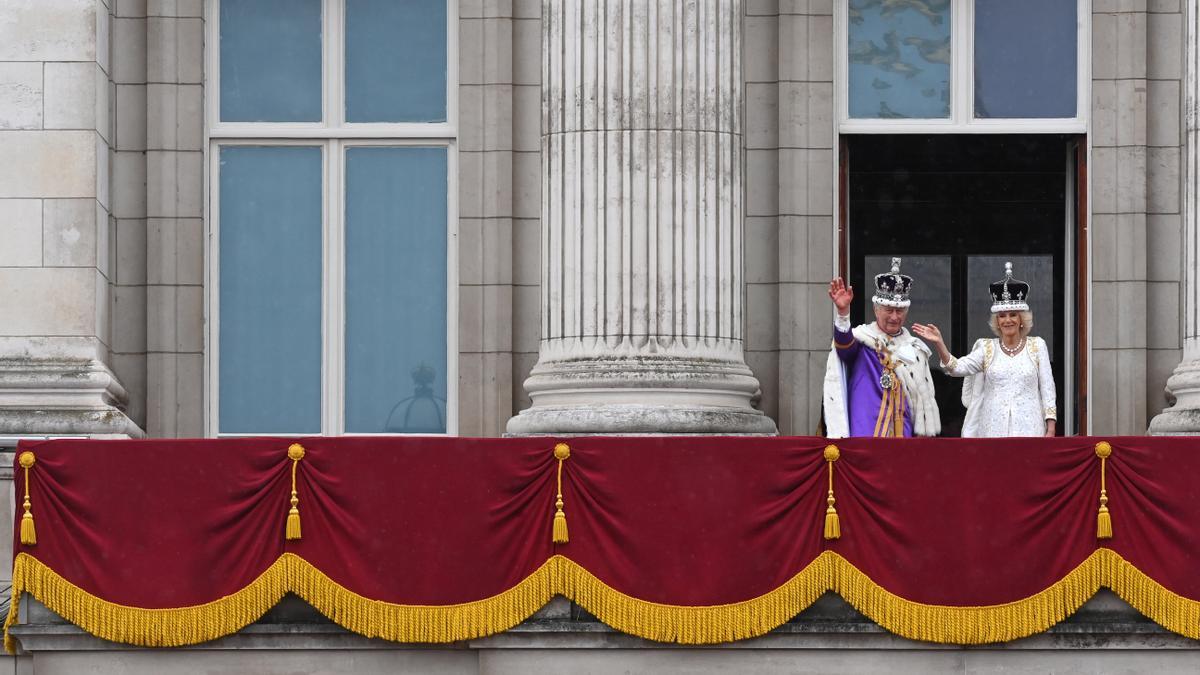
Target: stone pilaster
[642,232]
[56,253]
[1183,417]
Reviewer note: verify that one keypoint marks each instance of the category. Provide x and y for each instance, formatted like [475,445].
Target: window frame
[962,83]
[334,136]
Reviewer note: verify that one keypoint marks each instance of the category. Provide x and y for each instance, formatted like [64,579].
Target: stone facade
[119,290]
[1183,387]
[103,235]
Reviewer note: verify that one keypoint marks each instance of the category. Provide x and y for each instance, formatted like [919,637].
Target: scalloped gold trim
[710,624]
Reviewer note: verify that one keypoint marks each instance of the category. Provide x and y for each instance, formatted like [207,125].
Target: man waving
[877,380]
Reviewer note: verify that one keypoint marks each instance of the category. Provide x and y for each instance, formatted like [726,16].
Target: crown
[1008,294]
[892,288]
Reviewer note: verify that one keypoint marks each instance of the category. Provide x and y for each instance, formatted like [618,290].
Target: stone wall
[103,100]
[57,259]
[790,201]
[1136,236]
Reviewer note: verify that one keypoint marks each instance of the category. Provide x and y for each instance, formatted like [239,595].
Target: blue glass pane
[899,59]
[270,60]
[1025,58]
[395,290]
[270,299]
[395,61]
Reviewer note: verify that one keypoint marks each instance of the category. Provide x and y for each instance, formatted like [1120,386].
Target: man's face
[890,319]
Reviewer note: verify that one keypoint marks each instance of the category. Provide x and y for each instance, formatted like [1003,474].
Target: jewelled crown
[892,288]
[1009,294]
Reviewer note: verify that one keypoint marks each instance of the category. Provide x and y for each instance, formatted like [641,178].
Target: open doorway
[956,208]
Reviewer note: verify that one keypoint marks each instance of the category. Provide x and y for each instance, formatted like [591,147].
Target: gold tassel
[1103,518]
[561,452]
[292,531]
[28,532]
[833,524]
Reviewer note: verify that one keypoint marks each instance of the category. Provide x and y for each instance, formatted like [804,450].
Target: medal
[885,381]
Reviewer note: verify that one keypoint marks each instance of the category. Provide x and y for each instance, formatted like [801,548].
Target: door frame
[1077,254]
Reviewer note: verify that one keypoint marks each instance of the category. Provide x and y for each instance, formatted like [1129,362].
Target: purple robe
[864,393]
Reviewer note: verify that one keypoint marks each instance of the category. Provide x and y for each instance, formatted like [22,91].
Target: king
[877,380]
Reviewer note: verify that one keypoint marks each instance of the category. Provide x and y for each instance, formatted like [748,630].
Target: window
[963,65]
[331,250]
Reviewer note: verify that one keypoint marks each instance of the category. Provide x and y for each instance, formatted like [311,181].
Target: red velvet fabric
[680,521]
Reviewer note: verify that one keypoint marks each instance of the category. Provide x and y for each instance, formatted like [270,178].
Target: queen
[1009,387]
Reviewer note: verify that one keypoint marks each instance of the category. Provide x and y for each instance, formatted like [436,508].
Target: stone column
[1183,417]
[56,252]
[642,166]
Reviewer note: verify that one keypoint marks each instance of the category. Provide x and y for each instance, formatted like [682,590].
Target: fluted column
[641,221]
[1183,417]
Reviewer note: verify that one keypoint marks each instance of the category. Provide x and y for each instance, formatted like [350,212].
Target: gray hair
[1026,323]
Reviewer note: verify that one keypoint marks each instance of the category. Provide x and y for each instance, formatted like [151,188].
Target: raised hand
[928,332]
[841,295]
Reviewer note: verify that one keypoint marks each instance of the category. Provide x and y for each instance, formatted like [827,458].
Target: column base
[60,388]
[639,420]
[646,394]
[1183,417]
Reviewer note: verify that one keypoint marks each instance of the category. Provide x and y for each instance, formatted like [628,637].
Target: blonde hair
[1026,323]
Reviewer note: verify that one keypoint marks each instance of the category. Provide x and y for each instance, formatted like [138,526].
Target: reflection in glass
[270,60]
[899,59]
[395,289]
[1037,270]
[1025,58]
[395,61]
[423,412]
[270,290]
[930,289]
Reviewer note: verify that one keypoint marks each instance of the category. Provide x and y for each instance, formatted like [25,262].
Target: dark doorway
[955,208]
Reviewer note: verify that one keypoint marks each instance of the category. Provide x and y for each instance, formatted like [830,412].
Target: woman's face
[1009,323]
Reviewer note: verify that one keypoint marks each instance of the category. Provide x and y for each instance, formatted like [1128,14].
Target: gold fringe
[693,625]
[562,576]
[289,573]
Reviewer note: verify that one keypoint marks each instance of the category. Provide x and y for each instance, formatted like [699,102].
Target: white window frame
[334,135]
[962,83]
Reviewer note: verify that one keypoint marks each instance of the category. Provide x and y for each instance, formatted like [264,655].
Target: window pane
[1025,63]
[270,60]
[270,297]
[1037,270]
[395,61]
[395,290]
[899,59]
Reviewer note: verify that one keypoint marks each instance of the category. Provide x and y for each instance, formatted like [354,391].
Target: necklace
[1015,350]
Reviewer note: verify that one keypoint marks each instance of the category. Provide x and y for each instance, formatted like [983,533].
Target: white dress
[1006,395]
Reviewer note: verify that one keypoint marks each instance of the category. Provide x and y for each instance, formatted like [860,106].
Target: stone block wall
[58,253]
[103,218]
[790,201]
[174,218]
[1136,317]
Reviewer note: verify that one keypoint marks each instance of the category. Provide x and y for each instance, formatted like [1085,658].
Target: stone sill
[1105,622]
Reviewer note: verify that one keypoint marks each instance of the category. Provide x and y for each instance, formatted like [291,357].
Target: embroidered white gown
[1006,395]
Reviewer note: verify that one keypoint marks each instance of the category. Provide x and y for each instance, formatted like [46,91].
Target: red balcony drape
[691,540]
